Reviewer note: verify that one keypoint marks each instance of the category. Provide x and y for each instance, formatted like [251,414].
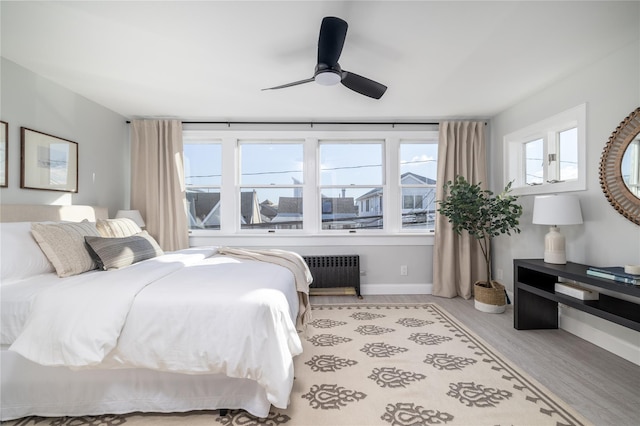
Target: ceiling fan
[328,72]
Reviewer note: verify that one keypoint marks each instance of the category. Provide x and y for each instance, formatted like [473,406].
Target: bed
[201,328]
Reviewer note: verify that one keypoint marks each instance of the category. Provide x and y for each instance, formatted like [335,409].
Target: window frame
[383,179]
[203,140]
[241,185]
[400,205]
[548,130]
[312,225]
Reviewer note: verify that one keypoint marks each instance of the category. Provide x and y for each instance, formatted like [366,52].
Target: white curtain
[458,261]
[157,181]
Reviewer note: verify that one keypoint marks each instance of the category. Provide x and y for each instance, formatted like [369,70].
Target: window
[418,170]
[534,162]
[203,178]
[271,182]
[548,156]
[351,184]
[567,161]
[309,182]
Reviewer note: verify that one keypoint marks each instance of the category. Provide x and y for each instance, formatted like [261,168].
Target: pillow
[123,227]
[114,253]
[21,255]
[64,246]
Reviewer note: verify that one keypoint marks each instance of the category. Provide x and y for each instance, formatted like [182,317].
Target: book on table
[574,290]
[615,273]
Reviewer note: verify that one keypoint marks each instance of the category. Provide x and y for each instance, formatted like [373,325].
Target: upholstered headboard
[38,213]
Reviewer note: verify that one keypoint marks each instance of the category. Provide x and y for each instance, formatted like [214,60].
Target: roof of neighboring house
[290,205]
[268,210]
[372,193]
[287,217]
[206,201]
[421,179]
[405,178]
[340,206]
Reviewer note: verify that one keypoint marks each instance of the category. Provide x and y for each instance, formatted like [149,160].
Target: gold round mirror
[620,168]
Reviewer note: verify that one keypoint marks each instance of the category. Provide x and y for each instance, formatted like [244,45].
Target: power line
[300,171]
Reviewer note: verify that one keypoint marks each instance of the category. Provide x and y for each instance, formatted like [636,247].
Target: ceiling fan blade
[333,31]
[295,83]
[363,85]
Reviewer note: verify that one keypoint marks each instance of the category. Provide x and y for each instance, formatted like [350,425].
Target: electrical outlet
[499,274]
[403,270]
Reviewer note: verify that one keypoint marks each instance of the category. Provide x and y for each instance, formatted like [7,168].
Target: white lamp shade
[131,214]
[556,210]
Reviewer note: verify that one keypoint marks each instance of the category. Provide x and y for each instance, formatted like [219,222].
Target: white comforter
[187,312]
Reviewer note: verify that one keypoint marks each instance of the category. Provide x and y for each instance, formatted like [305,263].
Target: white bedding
[77,322]
[186,312]
[16,297]
[31,389]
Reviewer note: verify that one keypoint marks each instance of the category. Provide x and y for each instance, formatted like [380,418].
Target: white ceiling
[209,59]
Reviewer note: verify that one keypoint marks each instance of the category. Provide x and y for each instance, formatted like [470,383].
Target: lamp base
[554,247]
[555,257]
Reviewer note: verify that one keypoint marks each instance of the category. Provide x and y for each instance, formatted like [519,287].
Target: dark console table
[536,302]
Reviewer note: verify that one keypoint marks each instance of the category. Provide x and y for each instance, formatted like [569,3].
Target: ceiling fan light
[328,78]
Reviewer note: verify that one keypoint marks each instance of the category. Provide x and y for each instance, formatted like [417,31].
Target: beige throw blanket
[290,260]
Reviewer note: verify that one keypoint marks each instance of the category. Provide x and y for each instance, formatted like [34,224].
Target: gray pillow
[63,244]
[114,253]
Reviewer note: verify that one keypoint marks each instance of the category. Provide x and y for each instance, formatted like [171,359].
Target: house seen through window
[203,178]
[418,168]
[351,178]
[271,182]
[312,184]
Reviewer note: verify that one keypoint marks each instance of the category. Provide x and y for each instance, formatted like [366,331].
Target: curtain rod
[311,123]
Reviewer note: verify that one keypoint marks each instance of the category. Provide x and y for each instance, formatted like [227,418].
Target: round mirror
[620,168]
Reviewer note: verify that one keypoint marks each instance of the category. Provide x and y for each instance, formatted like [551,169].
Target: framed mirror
[620,168]
[4,154]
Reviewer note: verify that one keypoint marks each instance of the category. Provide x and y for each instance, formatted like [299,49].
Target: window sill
[550,188]
[305,240]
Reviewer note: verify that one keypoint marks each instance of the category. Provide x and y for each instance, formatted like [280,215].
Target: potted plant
[484,216]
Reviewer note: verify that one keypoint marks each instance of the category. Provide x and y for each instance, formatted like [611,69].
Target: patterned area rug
[399,364]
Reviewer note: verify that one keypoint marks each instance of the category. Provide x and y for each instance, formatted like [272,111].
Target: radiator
[331,272]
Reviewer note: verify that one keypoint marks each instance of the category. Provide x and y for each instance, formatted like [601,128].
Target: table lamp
[133,215]
[556,210]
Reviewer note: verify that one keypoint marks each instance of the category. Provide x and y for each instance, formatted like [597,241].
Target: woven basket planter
[489,299]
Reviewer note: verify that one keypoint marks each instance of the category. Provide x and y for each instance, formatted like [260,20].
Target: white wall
[32,101]
[380,256]
[611,90]
[29,100]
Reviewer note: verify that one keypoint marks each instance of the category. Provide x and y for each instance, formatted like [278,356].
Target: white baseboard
[606,340]
[419,288]
[382,289]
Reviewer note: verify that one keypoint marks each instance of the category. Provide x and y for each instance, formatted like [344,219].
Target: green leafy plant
[481,213]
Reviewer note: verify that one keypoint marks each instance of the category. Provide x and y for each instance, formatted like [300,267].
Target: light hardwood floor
[600,385]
